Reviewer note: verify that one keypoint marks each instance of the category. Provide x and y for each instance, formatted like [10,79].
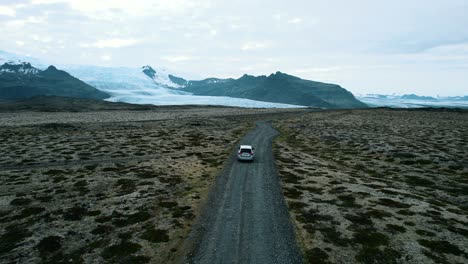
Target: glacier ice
[131,85]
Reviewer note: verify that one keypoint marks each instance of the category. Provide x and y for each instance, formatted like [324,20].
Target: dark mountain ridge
[277,88]
[21,81]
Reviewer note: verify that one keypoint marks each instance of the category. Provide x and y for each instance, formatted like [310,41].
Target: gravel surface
[246,219]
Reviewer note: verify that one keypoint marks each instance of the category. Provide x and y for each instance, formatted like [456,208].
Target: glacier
[396,102]
[131,85]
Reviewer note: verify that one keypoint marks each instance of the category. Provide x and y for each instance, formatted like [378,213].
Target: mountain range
[413,101]
[278,87]
[147,85]
[20,81]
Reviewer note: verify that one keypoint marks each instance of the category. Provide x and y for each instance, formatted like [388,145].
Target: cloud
[16,23]
[178,58]
[459,48]
[96,9]
[230,38]
[106,57]
[278,16]
[318,70]
[111,43]
[44,39]
[255,45]
[295,20]
[7,11]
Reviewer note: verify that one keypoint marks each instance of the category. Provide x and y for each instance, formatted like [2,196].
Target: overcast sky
[366,46]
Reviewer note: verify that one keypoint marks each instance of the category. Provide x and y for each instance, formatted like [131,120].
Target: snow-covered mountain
[11,58]
[163,77]
[20,80]
[133,85]
[17,67]
[413,101]
[145,85]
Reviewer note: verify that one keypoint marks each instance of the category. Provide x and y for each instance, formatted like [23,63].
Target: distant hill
[21,80]
[277,88]
[418,97]
[67,104]
[414,101]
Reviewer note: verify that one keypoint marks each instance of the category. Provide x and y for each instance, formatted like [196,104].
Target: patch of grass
[339,189]
[437,258]
[373,255]
[146,174]
[403,155]
[348,201]
[121,250]
[155,235]
[395,228]
[183,211]
[405,212]
[58,179]
[441,246]
[460,231]
[127,186]
[102,229]
[359,221]
[292,193]
[13,236]
[132,219]
[333,236]
[296,206]
[289,177]
[310,189]
[54,172]
[392,203]
[370,238]
[171,180]
[137,259]
[20,201]
[312,216]
[418,181]
[81,183]
[31,211]
[75,213]
[110,169]
[90,167]
[103,219]
[378,214]
[425,233]
[390,192]
[168,204]
[49,245]
[316,256]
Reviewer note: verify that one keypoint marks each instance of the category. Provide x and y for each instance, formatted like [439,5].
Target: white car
[245,152]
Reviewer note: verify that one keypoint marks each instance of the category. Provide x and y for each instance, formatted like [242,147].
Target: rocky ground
[377,186]
[109,186]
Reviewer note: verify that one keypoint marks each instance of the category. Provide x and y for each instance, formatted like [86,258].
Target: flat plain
[126,186]
[377,186]
[109,186]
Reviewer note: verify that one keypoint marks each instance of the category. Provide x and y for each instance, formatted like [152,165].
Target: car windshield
[245,150]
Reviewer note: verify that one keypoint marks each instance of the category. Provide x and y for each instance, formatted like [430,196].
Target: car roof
[245,146]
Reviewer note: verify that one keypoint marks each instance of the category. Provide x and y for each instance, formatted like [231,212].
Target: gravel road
[246,219]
